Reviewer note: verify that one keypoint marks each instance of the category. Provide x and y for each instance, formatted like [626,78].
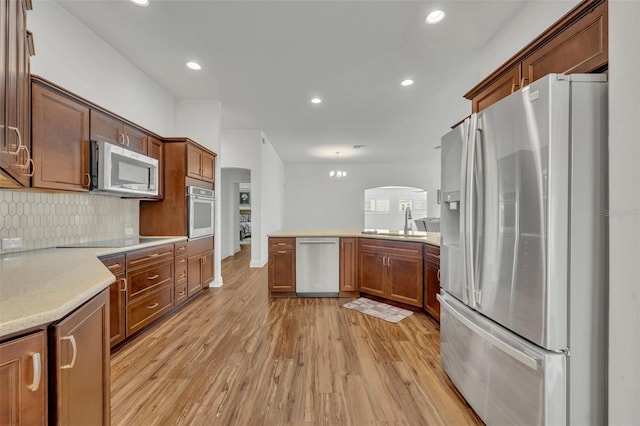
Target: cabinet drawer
[144,257]
[148,278]
[432,253]
[181,292]
[282,243]
[392,247]
[181,269]
[150,307]
[115,264]
[180,248]
[196,247]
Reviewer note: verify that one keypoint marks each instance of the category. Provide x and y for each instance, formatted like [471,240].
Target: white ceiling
[265,59]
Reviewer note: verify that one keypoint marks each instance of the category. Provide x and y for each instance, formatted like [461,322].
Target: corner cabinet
[60,140]
[432,280]
[577,43]
[282,266]
[23,380]
[391,269]
[80,366]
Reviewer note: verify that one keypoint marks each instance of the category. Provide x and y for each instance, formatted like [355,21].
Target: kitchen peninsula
[383,264]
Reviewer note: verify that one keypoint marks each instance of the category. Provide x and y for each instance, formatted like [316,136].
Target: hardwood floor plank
[234,356]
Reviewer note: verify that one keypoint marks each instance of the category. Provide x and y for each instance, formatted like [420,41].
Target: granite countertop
[432,238]
[42,286]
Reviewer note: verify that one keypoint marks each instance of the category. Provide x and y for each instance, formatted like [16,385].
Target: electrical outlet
[128,231]
[11,243]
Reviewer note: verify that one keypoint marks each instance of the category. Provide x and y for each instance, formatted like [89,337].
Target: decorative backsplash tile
[49,220]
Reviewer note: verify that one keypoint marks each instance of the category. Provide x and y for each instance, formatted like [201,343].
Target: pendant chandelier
[337,173]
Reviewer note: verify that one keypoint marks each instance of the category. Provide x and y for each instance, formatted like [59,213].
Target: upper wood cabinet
[577,43]
[23,381]
[109,129]
[200,163]
[60,140]
[15,102]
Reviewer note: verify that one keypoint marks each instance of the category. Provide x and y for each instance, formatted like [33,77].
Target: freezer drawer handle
[523,358]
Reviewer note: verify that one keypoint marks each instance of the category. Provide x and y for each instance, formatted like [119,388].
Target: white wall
[200,120]
[272,193]
[72,56]
[229,204]
[624,213]
[313,200]
[241,149]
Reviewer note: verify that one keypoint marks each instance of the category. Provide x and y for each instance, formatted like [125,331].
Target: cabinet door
[371,272]
[282,270]
[348,264]
[60,143]
[107,129]
[16,112]
[404,279]
[501,88]
[207,268]
[155,150]
[580,48]
[208,166]
[23,381]
[135,139]
[194,274]
[117,300]
[194,162]
[432,288]
[81,362]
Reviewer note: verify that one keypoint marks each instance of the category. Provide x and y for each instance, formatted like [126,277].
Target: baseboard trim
[257,263]
[216,283]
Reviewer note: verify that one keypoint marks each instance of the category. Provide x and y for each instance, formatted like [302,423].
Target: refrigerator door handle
[463,213]
[477,217]
[519,356]
[469,231]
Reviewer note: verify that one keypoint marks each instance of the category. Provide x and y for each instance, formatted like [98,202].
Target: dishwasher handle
[317,242]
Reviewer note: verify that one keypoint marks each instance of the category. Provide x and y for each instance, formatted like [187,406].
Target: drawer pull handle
[282,244]
[155,255]
[115,265]
[153,277]
[282,252]
[75,352]
[152,306]
[181,293]
[37,372]
[182,248]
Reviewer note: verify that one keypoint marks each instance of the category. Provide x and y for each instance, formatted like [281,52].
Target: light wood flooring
[235,357]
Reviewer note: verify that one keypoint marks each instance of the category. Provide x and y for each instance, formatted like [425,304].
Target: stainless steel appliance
[317,267]
[118,171]
[201,216]
[524,255]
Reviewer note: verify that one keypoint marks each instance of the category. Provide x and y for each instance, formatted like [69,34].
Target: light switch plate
[11,243]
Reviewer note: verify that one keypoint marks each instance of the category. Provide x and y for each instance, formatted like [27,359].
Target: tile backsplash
[48,220]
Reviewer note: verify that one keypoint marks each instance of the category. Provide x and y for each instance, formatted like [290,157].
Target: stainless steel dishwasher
[317,267]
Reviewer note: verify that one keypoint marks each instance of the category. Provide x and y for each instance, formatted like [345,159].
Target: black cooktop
[118,242]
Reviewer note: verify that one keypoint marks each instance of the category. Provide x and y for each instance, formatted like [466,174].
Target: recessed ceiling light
[140,2]
[316,101]
[194,66]
[435,17]
[407,82]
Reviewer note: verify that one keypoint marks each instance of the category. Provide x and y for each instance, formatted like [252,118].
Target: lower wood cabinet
[23,380]
[391,269]
[117,304]
[282,266]
[200,270]
[348,266]
[147,308]
[80,366]
[432,280]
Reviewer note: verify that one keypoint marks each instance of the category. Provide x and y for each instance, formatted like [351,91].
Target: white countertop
[42,286]
[432,238]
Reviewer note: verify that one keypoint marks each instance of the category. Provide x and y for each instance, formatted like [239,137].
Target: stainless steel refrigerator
[524,255]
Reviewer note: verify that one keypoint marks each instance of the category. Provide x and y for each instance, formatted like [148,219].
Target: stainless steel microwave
[118,171]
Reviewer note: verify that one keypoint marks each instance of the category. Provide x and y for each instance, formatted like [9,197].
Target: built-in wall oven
[201,204]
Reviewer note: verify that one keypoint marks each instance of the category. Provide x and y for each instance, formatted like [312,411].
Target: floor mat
[378,309]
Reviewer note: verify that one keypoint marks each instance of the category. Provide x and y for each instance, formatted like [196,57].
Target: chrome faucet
[407,218]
